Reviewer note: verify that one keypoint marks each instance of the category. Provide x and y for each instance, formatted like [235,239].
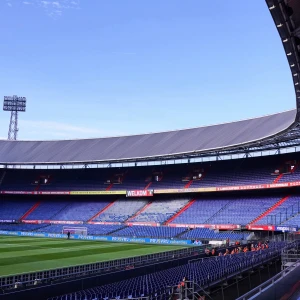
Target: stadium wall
[101,238]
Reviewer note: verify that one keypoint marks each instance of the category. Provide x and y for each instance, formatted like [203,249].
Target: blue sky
[94,68]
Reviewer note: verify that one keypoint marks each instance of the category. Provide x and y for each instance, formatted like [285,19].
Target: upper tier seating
[220,173]
[295,176]
[121,210]
[229,177]
[14,209]
[160,211]
[19,180]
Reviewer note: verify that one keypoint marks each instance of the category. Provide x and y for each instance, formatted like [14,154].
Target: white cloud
[56,4]
[54,8]
[58,130]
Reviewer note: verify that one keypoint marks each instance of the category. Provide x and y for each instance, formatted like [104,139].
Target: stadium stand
[48,210]
[160,211]
[248,172]
[132,231]
[233,210]
[14,210]
[180,232]
[293,220]
[121,210]
[195,214]
[205,233]
[25,227]
[268,133]
[282,209]
[80,211]
[243,210]
[204,272]
[222,173]
[148,231]
[93,229]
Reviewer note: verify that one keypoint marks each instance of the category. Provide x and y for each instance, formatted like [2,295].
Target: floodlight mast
[14,104]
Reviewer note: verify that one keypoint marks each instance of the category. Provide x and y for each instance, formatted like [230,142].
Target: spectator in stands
[207,252]
[184,285]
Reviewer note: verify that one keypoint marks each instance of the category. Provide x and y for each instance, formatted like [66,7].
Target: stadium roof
[153,145]
[276,130]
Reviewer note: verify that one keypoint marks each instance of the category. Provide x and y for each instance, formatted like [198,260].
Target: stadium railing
[269,283]
[290,255]
[7,282]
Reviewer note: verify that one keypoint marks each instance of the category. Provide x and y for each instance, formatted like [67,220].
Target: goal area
[75,230]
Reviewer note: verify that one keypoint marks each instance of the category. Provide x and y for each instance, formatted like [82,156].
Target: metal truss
[13,126]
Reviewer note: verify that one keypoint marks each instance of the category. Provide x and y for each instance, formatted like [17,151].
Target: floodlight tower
[14,104]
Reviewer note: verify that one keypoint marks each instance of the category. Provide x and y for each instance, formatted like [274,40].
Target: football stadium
[204,213]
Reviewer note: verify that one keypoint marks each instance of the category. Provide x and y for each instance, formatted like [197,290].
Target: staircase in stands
[139,212]
[269,210]
[2,177]
[190,203]
[34,207]
[101,211]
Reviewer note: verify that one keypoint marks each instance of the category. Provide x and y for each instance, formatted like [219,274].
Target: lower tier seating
[121,210]
[148,231]
[203,272]
[160,211]
[14,210]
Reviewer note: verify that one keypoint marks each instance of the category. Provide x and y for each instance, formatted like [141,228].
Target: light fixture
[296,83]
[285,40]
[272,7]
[295,74]
[292,65]
[279,25]
[288,54]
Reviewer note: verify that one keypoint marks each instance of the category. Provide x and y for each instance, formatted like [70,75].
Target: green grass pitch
[25,254]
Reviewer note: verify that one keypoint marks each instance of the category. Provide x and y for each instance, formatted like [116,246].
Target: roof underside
[260,133]
[147,145]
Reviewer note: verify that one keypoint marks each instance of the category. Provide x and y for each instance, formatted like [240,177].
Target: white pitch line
[58,248]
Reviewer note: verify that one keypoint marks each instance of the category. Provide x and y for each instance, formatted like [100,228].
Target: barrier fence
[100,238]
